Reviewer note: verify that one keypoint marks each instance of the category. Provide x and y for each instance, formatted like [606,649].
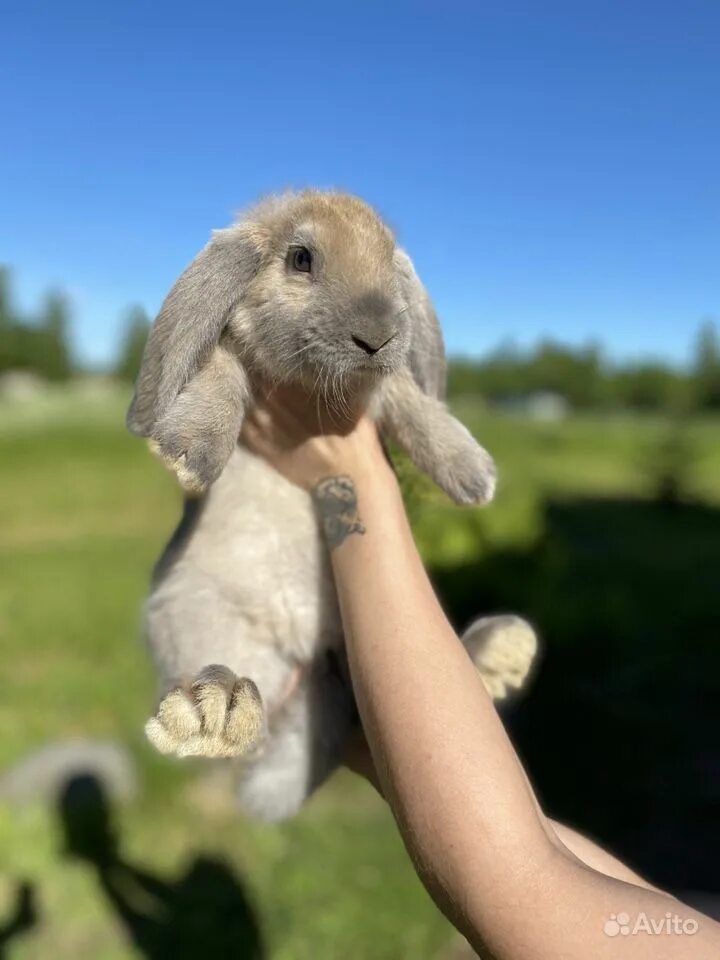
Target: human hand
[307,443]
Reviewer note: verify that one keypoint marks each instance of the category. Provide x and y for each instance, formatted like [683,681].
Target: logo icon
[618,923]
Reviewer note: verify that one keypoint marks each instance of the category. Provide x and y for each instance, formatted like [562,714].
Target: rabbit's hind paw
[504,650]
[218,715]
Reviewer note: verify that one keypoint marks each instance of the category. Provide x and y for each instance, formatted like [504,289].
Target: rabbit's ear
[190,323]
[408,405]
[427,353]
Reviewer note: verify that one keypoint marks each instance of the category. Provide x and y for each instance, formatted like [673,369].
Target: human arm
[359,760]
[468,815]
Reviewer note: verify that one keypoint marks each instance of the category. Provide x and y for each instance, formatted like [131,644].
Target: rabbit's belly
[258,537]
[286,597]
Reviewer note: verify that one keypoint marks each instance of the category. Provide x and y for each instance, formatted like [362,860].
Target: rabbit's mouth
[350,377]
[360,364]
[373,368]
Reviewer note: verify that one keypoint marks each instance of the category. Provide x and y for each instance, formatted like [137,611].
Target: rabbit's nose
[371,345]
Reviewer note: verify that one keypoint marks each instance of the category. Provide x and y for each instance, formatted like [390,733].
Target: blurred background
[552,169]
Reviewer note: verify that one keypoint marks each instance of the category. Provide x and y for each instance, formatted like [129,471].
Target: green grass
[84,511]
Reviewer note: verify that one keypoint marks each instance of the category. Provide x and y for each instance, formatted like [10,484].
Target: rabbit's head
[325,302]
[307,287]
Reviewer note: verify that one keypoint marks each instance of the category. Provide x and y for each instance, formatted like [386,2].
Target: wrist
[371,473]
[344,500]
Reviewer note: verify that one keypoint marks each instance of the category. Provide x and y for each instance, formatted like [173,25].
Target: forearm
[359,760]
[446,766]
[442,758]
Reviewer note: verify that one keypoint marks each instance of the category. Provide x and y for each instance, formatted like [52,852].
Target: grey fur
[436,442]
[427,353]
[245,582]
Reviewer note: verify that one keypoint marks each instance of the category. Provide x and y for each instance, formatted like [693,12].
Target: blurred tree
[6,317]
[577,375]
[465,378]
[11,353]
[706,367]
[40,346]
[53,356]
[585,378]
[137,327]
[650,386]
[503,372]
[507,373]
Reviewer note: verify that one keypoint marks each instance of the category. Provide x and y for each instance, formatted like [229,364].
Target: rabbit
[242,619]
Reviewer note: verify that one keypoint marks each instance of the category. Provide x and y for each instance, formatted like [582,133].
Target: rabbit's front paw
[462,468]
[177,463]
[198,460]
[218,715]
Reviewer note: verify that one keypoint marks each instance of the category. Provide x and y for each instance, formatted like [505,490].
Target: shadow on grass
[204,914]
[23,917]
[620,729]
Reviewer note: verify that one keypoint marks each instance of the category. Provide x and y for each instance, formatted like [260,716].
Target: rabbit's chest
[258,536]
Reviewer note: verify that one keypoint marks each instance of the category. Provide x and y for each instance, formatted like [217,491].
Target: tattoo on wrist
[336,502]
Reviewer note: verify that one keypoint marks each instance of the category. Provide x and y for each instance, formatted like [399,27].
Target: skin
[516,885]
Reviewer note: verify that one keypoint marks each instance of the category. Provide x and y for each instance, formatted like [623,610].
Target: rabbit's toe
[503,649]
[219,715]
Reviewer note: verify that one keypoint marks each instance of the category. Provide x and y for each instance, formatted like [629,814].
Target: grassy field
[84,511]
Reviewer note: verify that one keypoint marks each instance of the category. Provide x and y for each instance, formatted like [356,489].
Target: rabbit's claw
[217,715]
[178,464]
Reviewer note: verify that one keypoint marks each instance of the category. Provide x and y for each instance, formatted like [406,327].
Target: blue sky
[553,168]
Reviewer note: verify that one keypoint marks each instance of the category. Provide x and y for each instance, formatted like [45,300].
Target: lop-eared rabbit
[242,620]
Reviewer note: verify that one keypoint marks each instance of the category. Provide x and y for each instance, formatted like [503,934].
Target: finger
[282,422]
[256,439]
[263,425]
[264,437]
[284,393]
[249,432]
[289,409]
[259,417]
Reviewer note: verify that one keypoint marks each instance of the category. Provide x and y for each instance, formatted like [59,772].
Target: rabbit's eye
[302,259]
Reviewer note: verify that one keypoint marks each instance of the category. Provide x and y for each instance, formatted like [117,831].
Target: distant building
[543,405]
[21,385]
